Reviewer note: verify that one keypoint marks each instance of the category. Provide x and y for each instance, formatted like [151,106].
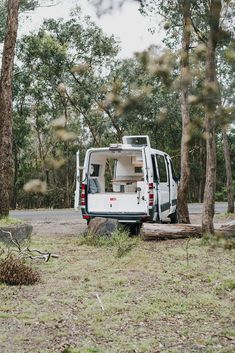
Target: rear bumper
[121,217]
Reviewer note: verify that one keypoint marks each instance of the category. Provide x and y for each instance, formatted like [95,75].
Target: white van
[130,182]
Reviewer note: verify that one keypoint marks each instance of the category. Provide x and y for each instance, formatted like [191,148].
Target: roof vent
[136,141]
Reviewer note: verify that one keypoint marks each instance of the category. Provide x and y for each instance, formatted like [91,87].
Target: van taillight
[151,194]
[83,195]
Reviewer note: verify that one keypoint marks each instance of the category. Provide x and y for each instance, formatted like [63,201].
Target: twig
[187,245]
[15,242]
[223,336]
[99,300]
[27,253]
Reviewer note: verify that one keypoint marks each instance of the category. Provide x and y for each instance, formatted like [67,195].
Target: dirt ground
[161,296]
[58,227]
[74,227]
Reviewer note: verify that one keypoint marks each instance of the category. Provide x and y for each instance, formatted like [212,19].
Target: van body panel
[115,203]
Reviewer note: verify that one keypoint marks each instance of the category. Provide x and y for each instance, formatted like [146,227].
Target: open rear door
[163,187]
[77,190]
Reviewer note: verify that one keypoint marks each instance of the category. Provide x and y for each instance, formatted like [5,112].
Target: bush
[14,271]
[119,240]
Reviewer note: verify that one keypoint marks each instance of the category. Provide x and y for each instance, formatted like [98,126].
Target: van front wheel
[174,217]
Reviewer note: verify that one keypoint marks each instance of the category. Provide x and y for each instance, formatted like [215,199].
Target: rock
[102,226]
[19,232]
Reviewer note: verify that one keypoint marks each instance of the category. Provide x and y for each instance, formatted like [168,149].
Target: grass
[8,221]
[120,241]
[153,301]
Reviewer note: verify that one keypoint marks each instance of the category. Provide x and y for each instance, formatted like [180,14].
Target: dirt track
[71,226]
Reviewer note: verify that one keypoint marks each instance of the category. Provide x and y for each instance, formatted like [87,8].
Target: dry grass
[16,272]
[153,301]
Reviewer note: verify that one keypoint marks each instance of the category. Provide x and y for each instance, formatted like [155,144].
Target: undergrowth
[5,221]
[219,241]
[120,241]
[14,271]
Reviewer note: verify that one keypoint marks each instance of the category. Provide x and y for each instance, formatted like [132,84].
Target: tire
[134,229]
[174,217]
[88,221]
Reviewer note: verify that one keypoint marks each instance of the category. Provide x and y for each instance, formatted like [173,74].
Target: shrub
[14,271]
[119,240]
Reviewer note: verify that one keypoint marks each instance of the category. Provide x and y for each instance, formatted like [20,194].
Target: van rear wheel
[134,229]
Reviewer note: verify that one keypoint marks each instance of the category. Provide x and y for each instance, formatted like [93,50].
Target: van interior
[115,171]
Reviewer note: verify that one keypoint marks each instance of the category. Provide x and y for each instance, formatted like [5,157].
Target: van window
[155,178]
[173,172]
[94,170]
[162,168]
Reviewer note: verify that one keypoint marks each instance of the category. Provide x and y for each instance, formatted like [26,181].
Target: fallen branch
[186,248]
[27,253]
[99,300]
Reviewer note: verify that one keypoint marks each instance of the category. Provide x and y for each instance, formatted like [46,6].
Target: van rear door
[163,187]
[77,190]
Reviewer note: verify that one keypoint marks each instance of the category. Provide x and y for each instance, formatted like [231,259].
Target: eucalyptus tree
[227,91]
[6,106]
[9,13]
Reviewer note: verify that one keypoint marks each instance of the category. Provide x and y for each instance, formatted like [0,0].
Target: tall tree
[185,140]
[211,101]
[229,181]
[6,106]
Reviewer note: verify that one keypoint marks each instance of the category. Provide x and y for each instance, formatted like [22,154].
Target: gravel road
[70,222]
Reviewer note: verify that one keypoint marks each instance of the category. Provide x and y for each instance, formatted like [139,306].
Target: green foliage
[4,221]
[219,241]
[229,284]
[69,70]
[87,350]
[120,241]
[25,5]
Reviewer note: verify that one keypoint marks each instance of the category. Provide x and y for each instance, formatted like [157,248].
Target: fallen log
[227,229]
[154,231]
[151,231]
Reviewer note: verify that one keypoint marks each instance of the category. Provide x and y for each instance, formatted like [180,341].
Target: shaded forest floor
[153,300]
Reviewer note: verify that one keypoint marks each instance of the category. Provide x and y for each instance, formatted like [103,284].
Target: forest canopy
[72,91]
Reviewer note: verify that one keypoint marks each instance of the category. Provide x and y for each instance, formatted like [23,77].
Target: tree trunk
[227,158]
[211,100]
[6,107]
[183,212]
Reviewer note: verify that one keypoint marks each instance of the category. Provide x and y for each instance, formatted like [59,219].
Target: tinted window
[162,168]
[173,171]
[94,170]
[155,178]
